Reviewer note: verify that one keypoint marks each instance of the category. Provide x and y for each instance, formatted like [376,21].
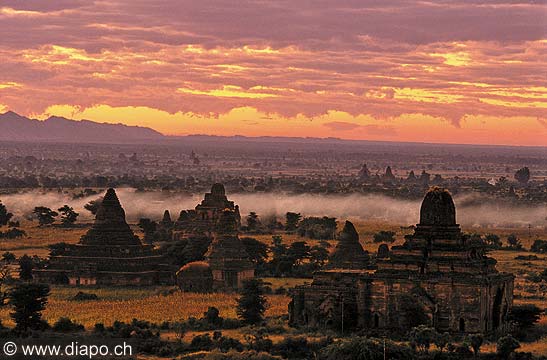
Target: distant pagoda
[108,254]
[349,254]
[227,258]
[202,220]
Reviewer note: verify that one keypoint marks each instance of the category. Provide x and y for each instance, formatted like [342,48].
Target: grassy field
[125,304]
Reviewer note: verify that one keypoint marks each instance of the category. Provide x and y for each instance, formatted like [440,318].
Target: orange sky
[446,71]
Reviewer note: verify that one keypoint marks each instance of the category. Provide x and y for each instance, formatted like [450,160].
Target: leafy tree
[539,246]
[12,233]
[298,251]
[212,316]
[319,255]
[26,264]
[45,215]
[8,257]
[68,215]
[257,250]
[28,301]
[524,316]
[5,279]
[93,206]
[251,305]
[384,237]
[422,337]
[493,241]
[476,341]
[149,228]
[506,346]
[523,175]
[291,221]
[5,216]
[253,222]
[514,242]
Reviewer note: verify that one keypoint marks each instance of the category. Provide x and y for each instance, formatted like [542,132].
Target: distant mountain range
[14,127]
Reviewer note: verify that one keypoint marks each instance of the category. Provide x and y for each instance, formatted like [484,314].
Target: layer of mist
[471,210]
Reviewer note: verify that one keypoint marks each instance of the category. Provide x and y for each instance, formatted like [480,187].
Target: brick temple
[108,254]
[437,277]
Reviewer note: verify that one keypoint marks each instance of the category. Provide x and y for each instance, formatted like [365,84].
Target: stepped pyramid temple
[438,277]
[227,265]
[201,220]
[349,254]
[108,254]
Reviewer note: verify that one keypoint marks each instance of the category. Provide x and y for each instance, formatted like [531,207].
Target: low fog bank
[471,209]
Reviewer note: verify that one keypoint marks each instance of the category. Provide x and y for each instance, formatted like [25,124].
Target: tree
[539,246]
[45,215]
[93,206]
[524,316]
[384,237]
[212,316]
[441,341]
[493,241]
[251,305]
[476,341]
[514,242]
[319,255]
[298,251]
[8,257]
[26,264]
[523,175]
[422,337]
[5,278]
[5,216]
[68,215]
[257,250]
[506,346]
[149,229]
[253,222]
[28,301]
[291,221]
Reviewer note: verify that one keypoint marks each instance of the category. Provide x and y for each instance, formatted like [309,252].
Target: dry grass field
[125,304]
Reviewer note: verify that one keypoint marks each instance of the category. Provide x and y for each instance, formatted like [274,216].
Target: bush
[66,325]
[82,296]
[357,348]
[293,347]
[539,246]
[384,237]
[506,346]
[202,343]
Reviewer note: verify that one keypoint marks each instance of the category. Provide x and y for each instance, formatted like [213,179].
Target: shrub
[384,237]
[66,325]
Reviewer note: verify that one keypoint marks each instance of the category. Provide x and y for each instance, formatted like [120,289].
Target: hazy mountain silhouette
[14,127]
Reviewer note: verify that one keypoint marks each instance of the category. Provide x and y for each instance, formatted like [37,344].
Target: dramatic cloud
[356,69]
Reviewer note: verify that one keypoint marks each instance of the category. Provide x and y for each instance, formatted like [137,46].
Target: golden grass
[133,304]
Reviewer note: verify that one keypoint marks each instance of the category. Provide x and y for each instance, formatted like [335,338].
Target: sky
[428,71]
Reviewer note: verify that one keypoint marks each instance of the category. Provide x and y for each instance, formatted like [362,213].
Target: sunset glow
[447,71]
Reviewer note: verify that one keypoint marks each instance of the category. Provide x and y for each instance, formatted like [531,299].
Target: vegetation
[251,306]
[28,301]
[68,215]
[45,215]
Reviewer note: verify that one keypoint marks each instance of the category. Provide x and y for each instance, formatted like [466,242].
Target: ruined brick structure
[437,277]
[227,262]
[349,254]
[108,254]
[202,220]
